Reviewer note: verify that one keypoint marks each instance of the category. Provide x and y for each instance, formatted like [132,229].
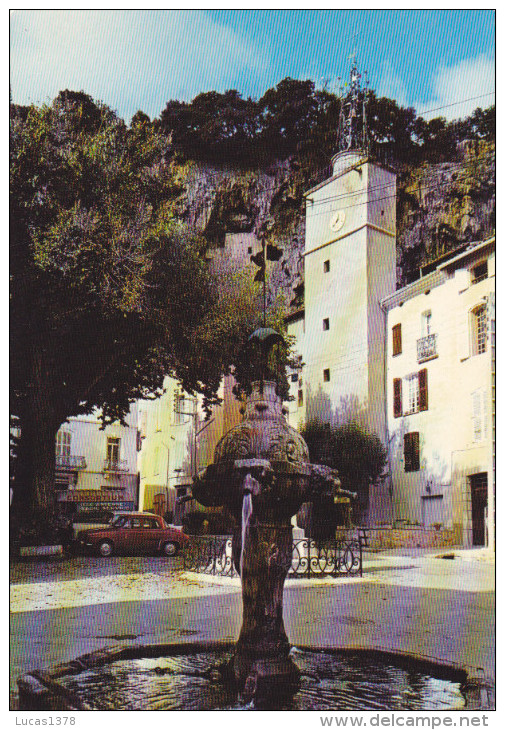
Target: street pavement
[412,602]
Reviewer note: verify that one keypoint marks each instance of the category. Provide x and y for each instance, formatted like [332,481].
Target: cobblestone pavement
[421,604]
[90,566]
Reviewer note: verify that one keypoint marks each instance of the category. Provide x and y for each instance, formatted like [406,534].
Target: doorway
[160,504]
[478,490]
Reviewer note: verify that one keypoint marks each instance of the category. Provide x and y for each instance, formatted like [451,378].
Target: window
[411,451]
[411,403]
[397,339]
[326,375]
[63,440]
[113,449]
[294,377]
[479,272]
[426,326]
[326,324]
[143,424]
[183,408]
[300,398]
[120,521]
[479,329]
[410,395]
[326,266]
[157,412]
[478,415]
[149,524]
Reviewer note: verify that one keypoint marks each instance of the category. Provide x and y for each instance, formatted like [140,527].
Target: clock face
[337,220]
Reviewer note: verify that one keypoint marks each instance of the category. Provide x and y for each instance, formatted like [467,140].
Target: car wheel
[170,549]
[105,548]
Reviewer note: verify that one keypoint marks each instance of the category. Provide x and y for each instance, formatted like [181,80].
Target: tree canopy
[109,291]
[296,118]
[358,456]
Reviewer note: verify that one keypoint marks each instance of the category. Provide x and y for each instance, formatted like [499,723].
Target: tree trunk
[36,458]
[34,493]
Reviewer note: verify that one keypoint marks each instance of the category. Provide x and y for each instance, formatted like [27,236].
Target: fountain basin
[190,677]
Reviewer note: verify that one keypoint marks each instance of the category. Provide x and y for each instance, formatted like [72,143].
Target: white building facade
[350,266]
[440,395]
[96,470]
[167,454]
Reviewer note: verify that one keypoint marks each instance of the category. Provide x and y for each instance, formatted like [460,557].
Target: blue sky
[140,59]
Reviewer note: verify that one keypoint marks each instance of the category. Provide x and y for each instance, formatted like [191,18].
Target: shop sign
[110,506]
[93,495]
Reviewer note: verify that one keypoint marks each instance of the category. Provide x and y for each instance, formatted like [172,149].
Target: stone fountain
[261,472]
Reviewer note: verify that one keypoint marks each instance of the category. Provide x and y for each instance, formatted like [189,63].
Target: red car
[134,532]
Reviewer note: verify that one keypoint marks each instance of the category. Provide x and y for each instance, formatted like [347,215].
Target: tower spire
[352,124]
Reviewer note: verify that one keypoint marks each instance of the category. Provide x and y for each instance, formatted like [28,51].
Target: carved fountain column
[263,463]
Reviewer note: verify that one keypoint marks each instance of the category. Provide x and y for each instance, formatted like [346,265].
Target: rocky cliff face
[439,207]
[230,205]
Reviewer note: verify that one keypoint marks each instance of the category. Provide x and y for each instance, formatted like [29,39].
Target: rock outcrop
[439,206]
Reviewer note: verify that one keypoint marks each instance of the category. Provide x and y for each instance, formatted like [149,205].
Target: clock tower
[350,265]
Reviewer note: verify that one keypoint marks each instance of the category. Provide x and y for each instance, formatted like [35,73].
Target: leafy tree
[288,113]
[358,456]
[215,127]
[392,127]
[108,290]
[240,299]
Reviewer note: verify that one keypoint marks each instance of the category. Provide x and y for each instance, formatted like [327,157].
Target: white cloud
[391,85]
[469,78]
[128,59]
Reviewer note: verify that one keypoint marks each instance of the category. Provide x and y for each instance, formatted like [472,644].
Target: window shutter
[415,451]
[397,397]
[411,451]
[397,339]
[423,390]
[407,452]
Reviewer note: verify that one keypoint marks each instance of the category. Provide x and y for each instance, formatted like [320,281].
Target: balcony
[70,462]
[115,465]
[427,348]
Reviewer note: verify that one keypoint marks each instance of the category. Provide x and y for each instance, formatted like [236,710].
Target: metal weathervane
[352,123]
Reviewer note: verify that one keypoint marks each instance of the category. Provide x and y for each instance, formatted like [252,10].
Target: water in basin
[329,682]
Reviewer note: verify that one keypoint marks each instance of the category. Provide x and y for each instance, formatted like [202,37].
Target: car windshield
[119,520]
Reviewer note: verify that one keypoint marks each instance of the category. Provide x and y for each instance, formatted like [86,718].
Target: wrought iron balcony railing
[70,462]
[115,465]
[427,348]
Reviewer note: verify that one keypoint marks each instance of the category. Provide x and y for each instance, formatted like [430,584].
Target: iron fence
[335,558]
[212,555]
